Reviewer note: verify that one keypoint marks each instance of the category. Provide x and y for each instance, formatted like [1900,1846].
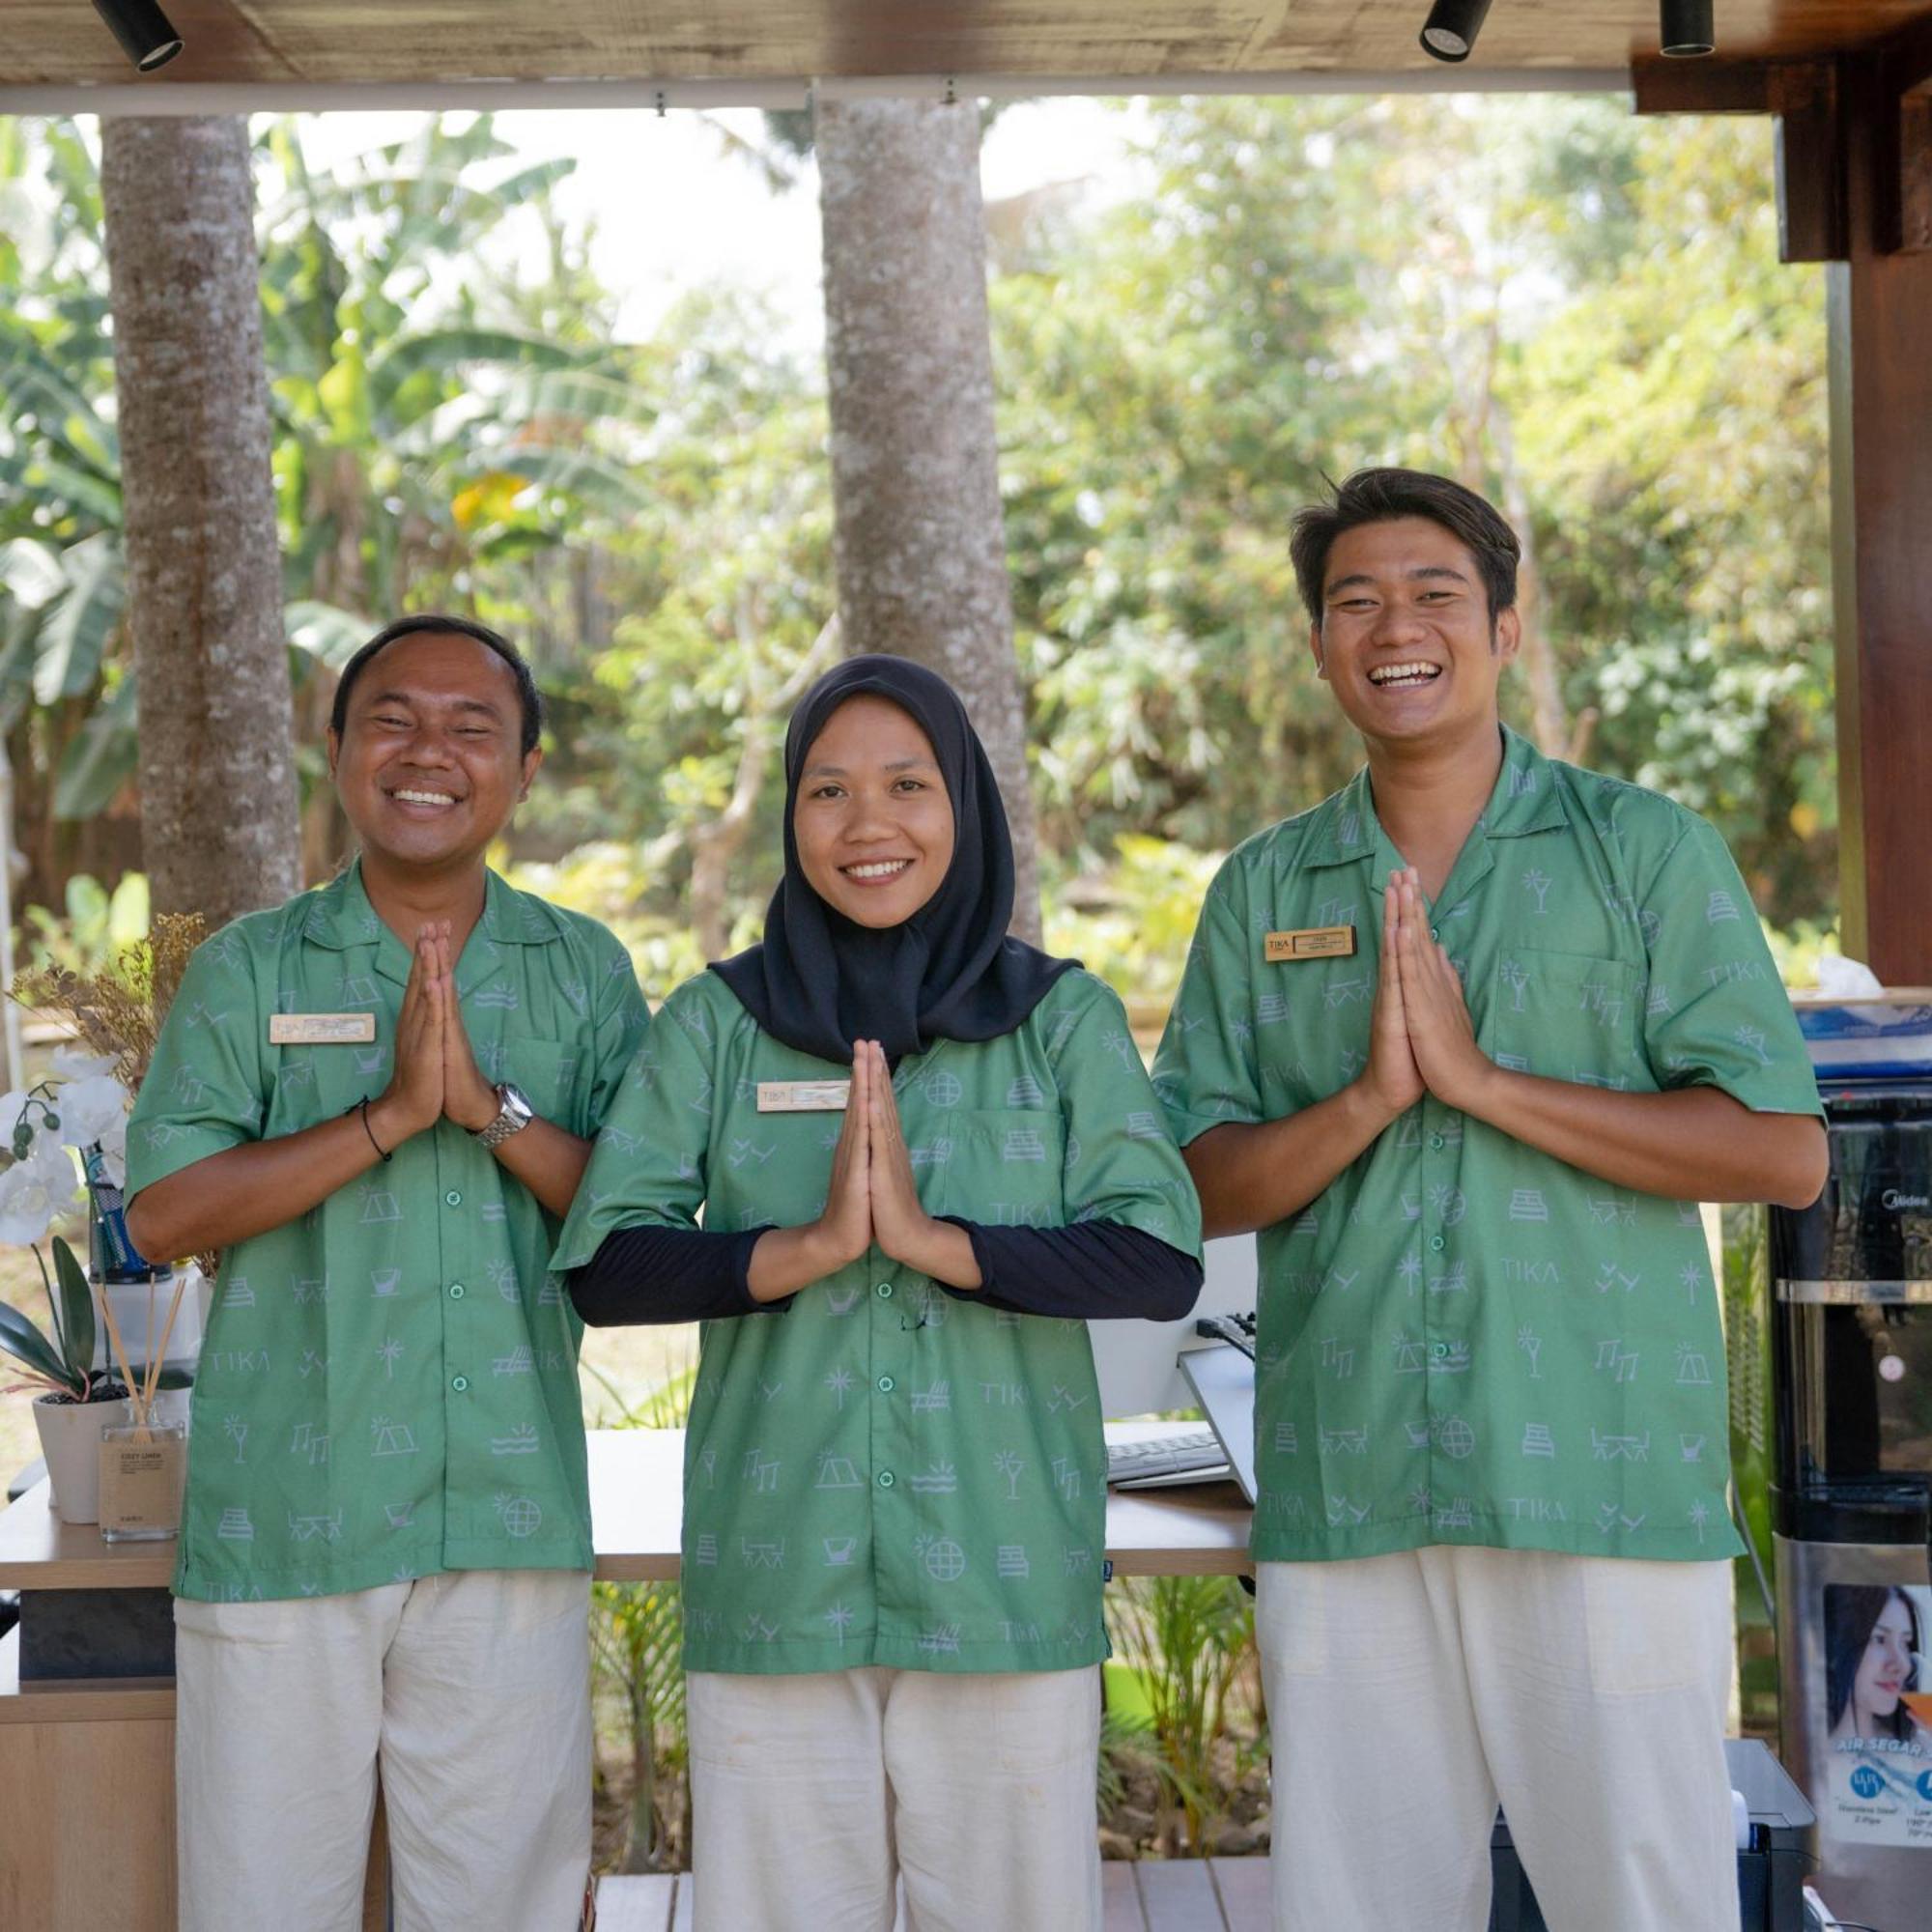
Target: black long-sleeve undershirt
[1094,1270]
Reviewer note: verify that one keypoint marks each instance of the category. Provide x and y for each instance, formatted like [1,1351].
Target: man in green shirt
[377,1102]
[1467,1044]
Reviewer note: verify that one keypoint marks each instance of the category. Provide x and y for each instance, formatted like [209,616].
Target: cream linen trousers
[812,1795]
[470,1688]
[1407,1694]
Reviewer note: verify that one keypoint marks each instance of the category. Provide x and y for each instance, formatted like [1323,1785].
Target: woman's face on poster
[873,823]
[1885,1670]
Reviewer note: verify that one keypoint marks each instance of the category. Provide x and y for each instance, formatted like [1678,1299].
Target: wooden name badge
[321,1029]
[803,1096]
[1311,942]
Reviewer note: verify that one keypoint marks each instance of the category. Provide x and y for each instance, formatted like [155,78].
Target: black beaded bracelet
[361,1107]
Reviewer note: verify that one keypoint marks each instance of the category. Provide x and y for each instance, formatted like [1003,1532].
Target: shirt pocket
[1002,1166]
[1565,1015]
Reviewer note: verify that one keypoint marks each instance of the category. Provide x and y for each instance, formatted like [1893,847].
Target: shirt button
[1435,932]
[1439,1350]
[887,1385]
[884,1291]
[887,1479]
[457,1291]
[1436,1141]
[460,1383]
[452,1198]
[1436,1243]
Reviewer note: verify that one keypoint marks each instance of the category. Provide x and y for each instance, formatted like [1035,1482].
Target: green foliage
[1576,311]
[66,1364]
[1190,1641]
[99,928]
[1549,299]
[1131,922]
[636,1632]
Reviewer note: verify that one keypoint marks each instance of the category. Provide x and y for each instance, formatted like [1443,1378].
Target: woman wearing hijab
[894,1477]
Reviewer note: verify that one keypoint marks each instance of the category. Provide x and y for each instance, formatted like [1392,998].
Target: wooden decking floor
[1160,1896]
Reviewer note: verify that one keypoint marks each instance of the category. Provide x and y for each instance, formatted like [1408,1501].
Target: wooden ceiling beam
[1710,86]
[1810,147]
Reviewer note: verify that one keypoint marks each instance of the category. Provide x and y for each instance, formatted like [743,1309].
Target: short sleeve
[1206,1071]
[620,1019]
[648,1165]
[206,1088]
[1715,1013]
[1122,1163]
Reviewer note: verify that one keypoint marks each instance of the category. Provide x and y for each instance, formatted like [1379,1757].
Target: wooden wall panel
[90,1826]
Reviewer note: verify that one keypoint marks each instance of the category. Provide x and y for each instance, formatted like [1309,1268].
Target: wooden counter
[636,1511]
[86,1766]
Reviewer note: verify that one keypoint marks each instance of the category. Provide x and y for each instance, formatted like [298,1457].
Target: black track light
[146,34]
[1450,29]
[1684,28]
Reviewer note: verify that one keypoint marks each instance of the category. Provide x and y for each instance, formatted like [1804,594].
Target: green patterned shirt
[388,1383]
[1463,1340]
[885,1473]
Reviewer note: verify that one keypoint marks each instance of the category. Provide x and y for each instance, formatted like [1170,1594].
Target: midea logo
[1896,1197]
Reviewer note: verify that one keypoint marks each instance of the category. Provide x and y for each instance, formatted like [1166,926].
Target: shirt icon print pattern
[1464,1340]
[388,1386]
[882,1472]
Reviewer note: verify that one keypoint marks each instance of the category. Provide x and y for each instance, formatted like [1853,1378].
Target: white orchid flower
[114,1153]
[89,1109]
[34,1192]
[73,1062]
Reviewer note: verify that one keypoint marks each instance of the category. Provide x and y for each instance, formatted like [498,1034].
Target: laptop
[1223,1380]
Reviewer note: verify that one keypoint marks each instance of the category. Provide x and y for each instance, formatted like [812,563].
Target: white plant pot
[71,1442]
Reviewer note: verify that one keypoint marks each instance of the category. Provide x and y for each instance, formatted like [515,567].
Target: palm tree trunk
[204,573]
[918,537]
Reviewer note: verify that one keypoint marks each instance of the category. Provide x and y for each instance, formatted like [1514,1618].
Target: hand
[1441,1033]
[900,1225]
[468,1099]
[843,1231]
[1391,1079]
[412,1100]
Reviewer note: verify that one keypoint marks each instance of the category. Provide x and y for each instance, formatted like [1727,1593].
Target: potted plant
[117,1013]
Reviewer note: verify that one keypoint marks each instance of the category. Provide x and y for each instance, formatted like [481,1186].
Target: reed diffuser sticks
[141,1397]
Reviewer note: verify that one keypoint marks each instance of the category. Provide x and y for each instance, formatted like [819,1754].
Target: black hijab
[820,981]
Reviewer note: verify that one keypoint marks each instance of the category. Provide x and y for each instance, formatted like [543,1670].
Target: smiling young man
[1467,1044]
[377,1102]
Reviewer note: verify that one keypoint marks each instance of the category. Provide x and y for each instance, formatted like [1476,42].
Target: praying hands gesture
[436,1071]
[871,1198]
[1421,990]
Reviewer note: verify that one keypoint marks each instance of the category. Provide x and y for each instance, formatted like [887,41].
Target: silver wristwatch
[515,1113]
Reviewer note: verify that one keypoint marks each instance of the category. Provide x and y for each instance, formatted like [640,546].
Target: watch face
[515,1098]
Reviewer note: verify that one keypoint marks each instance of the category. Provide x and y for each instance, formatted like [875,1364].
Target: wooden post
[1880,308]
[1855,191]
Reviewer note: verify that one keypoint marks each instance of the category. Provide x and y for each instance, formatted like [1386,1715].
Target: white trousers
[472,1689]
[812,1795]
[1407,1694]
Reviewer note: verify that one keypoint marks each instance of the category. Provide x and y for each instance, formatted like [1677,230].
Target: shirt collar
[340,917]
[1343,827]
